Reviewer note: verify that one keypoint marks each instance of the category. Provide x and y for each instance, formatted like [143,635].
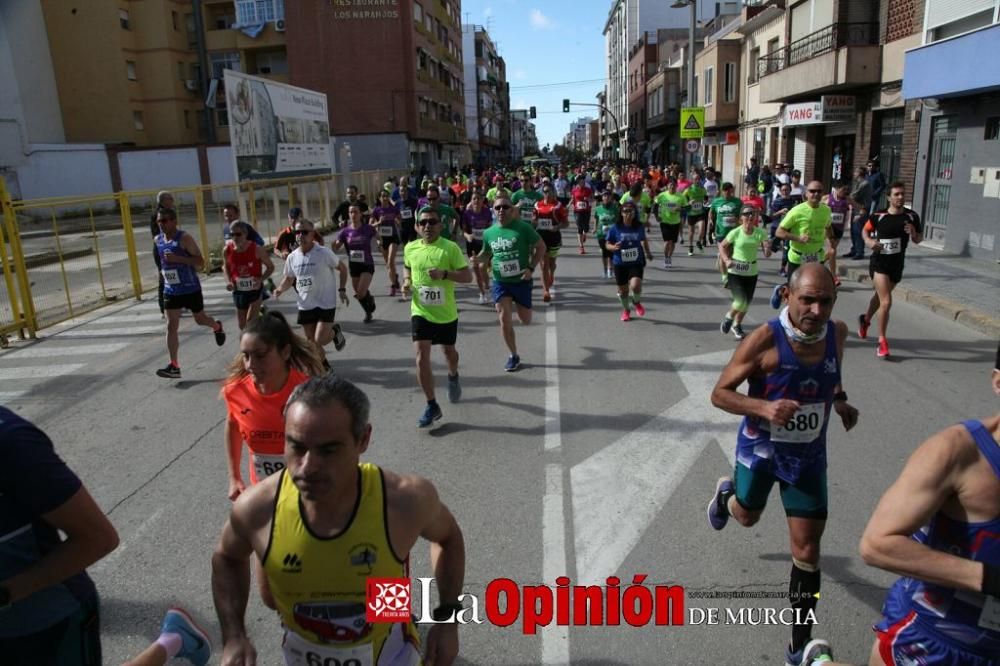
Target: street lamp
[693,4]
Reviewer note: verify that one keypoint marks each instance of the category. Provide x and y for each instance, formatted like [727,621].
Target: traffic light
[532,113]
[565,106]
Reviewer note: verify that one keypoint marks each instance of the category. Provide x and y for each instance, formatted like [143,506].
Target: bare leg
[154,655]
[504,308]
[173,322]
[883,288]
[451,355]
[425,377]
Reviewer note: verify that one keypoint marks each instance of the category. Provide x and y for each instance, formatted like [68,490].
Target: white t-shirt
[315,277]
[779,180]
[711,189]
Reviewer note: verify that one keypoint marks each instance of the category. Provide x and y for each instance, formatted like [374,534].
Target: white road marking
[126,542]
[38,371]
[7,396]
[644,468]
[555,639]
[117,332]
[49,351]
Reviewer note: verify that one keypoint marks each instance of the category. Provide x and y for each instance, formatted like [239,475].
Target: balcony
[840,56]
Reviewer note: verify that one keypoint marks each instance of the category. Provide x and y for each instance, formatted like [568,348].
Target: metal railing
[834,36]
[64,256]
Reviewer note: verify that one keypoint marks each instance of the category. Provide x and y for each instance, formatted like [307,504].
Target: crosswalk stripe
[36,371]
[118,331]
[8,396]
[48,350]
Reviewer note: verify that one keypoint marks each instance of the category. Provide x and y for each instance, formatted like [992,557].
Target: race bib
[407,214]
[803,427]
[729,220]
[560,191]
[696,206]
[630,255]
[300,652]
[837,219]
[809,258]
[431,295]
[990,617]
[740,268]
[545,224]
[171,277]
[357,256]
[304,283]
[582,205]
[386,231]
[509,268]
[246,284]
[891,245]
[477,234]
[528,214]
[264,466]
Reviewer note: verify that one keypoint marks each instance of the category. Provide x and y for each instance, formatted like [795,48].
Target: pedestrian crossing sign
[693,122]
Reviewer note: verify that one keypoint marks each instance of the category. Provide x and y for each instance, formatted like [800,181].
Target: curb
[943,307]
[46,258]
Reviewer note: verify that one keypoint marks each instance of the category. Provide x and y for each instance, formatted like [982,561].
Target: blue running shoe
[454,389]
[718,512]
[196,648]
[776,296]
[431,414]
[513,363]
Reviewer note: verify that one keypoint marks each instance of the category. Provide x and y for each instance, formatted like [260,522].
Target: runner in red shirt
[581,198]
[247,265]
[550,218]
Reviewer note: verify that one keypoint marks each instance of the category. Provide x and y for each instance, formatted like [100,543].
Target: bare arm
[195,260]
[930,477]
[725,253]
[745,363]
[265,259]
[539,252]
[89,537]
[234,458]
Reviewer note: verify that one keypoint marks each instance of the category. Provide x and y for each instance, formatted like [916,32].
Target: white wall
[469,76]
[220,164]
[159,169]
[56,170]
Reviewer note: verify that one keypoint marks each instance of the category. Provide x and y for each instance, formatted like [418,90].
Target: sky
[553,50]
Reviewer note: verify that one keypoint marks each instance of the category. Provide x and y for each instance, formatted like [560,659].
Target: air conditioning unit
[191,85]
[279,25]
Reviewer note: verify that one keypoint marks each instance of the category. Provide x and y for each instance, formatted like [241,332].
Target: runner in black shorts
[385,216]
[476,219]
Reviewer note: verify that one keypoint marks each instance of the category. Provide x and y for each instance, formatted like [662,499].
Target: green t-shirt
[645,202]
[525,201]
[605,218]
[744,249]
[434,300]
[695,195]
[726,213]
[511,246]
[493,192]
[806,220]
[448,218]
[670,207]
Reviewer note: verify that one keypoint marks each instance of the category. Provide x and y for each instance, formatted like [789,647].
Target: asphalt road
[596,459]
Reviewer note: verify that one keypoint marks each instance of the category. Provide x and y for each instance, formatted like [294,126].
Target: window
[479,49]
[729,84]
[250,12]
[130,70]
[123,19]
[137,120]
[175,20]
[709,82]
[421,59]
[272,62]
[222,60]
[429,23]
[752,65]
[187,119]
[992,129]
[418,13]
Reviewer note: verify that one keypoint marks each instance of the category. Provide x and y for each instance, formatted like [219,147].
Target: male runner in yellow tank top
[321,528]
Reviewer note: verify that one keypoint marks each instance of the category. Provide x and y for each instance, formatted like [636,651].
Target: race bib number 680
[803,427]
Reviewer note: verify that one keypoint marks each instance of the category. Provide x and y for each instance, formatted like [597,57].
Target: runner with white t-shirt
[311,268]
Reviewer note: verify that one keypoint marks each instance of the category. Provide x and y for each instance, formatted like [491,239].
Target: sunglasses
[815,191]
[629,211]
[501,207]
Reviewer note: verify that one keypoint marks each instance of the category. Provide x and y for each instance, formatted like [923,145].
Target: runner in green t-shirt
[448,215]
[432,265]
[807,227]
[525,200]
[514,249]
[723,217]
[695,194]
[605,216]
[667,208]
[738,253]
[643,201]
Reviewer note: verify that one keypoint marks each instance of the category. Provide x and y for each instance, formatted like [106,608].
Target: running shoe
[718,512]
[392,291]
[666,264]
[169,372]
[862,326]
[431,414]
[776,296]
[581,250]
[338,338]
[690,251]
[195,644]
[815,653]
[626,316]
[546,296]
[883,348]
[699,246]
[368,318]
[513,363]
[738,332]
[611,274]
[482,299]
[220,335]
[454,389]
[640,310]
[726,325]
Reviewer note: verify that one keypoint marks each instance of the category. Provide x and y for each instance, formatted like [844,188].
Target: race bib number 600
[300,652]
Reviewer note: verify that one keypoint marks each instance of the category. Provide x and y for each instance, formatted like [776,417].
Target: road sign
[692,122]
[692,145]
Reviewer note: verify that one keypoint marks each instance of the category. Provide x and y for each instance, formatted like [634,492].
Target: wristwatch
[4,598]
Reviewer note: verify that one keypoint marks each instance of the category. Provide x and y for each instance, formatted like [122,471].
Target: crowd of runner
[306,428]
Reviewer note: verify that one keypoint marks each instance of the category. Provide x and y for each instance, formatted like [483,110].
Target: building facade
[641,65]
[487,98]
[717,68]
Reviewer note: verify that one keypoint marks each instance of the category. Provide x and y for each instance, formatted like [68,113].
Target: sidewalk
[959,288]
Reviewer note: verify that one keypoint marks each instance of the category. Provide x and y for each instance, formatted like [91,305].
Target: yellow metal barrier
[64,256]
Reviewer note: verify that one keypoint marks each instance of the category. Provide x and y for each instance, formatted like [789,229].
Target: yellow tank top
[319,583]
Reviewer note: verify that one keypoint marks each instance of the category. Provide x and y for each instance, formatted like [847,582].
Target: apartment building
[717,68]
[760,122]
[951,86]
[641,65]
[665,87]
[487,98]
